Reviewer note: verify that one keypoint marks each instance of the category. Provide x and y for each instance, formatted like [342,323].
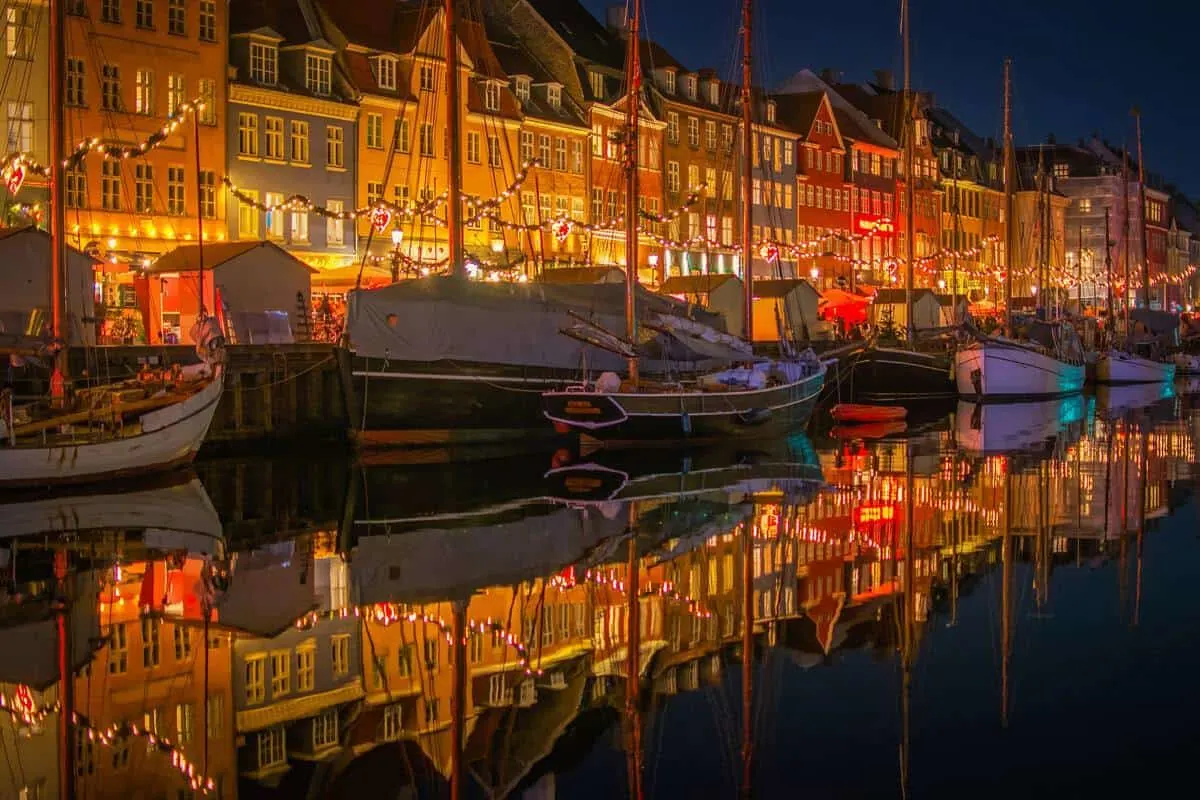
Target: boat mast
[1108,271]
[633,78]
[909,178]
[1137,121]
[1041,228]
[200,310]
[58,213]
[633,669]
[1125,230]
[1006,556]
[954,250]
[747,654]
[747,177]
[1010,179]
[454,228]
[66,676]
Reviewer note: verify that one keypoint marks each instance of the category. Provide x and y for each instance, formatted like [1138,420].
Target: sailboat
[1048,360]
[1127,366]
[759,398]
[107,432]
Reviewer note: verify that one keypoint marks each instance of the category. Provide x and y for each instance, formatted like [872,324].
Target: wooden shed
[260,293]
[579,275]
[890,304]
[795,301]
[25,285]
[720,293]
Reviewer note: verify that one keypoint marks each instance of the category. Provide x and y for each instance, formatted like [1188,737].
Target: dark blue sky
[1077,67]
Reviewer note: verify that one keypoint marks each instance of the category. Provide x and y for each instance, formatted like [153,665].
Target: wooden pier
[283,392]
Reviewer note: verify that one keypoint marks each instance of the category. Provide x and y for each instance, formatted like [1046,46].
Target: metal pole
[1010,180]
[454,226]
[633,75]
[58,212]
[747,162]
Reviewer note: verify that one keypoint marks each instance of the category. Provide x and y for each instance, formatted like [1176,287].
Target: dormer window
[521,88]
[691,87]
[264,63]
[426,78]
[714,93]
[596,83]
[318,72]
[491,96]
[770,111]
[670,81]
[385,72]
[554,96]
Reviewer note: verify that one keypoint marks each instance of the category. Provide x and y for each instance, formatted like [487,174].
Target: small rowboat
[855,413]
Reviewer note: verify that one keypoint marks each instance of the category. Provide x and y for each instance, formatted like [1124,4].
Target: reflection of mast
[956,532]
[1006,557]
[1041,581]
[632,671]
[1141,530]
[66,679]
[906,635]
[458,698]
[747,654]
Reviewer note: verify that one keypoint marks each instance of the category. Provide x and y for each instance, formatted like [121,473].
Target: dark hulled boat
[885,373]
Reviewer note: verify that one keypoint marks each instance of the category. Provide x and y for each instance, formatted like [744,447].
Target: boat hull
[989,428]
[632,417]
[893,373]
[169,437]
[1187,364]
[999,371]
[1116,367]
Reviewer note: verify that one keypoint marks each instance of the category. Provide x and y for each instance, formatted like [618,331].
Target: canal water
[990,601]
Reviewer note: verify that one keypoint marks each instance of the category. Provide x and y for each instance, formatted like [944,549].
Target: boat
[1115,401]
[886,373]
[854,412]
[754,397]
[1186,363]
[990,428]
[1116,367]
[1000,368]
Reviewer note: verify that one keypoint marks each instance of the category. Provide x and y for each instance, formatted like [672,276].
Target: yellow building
[1032,248]
[398,66]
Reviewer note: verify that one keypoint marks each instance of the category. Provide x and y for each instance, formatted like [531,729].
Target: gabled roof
[186,258]
[696,284]
[515,60]
[587,37]
[852,122]
[385,26]
[11,233]
[285,17]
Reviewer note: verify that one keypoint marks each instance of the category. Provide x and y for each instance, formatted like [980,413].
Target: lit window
[318,72]
[385,72]
[18,32]
[264,60]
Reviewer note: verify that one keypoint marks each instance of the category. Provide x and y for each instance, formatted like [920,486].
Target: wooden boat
[894,373]
[1187,363]
[122,431]
[998,369]
[1116,366]
[855,412]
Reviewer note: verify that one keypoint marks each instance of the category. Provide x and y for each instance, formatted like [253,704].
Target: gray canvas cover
[511,324]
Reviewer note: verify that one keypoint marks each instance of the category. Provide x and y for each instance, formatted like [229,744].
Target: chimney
[1050,139]
[617,21]
[830,75]
[884,79]
[928,99]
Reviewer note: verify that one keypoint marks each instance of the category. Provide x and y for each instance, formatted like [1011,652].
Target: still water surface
[995,602]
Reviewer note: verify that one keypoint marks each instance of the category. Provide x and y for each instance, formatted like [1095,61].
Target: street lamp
[397,238]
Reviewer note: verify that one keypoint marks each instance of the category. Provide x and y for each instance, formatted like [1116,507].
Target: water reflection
[661,625]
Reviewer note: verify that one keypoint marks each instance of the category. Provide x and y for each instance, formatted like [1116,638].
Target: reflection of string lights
[666,589]
[21,710]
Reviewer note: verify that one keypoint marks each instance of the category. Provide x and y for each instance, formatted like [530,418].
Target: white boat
[157,441]
[1006,369]
[1116,366]
[987,428]
[1187,363]
[1114,401]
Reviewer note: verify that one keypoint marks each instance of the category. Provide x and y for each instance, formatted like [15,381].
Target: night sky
[1078,67]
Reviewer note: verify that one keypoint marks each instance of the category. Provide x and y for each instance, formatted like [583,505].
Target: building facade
[291,129]
[773,182]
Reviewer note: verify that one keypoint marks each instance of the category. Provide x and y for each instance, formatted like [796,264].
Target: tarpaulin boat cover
[515,324]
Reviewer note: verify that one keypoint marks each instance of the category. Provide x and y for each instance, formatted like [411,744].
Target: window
[208,210]
[400,135]
[144,14]
[472,147]
[335,147]
[526,146]
[673,177]
[85,752]
[273,138]
[710,134]
[710,181]
[274,215]
[75,82]
[305,656]
[690,83]
[110,87]
[208,20]
[596,82]
[318,72]
[374,192]
[727,184]
[1062,171]
[281,673]
[216,715]
[560,154]
[787,155]
[491,96]
[714,92]
[597,204]
[404,661]
[208,97]
[672,127]
[554,96]
[264,60]
[425,135]
[176,17]
[299,140]
[150,651]
[385,72]
[693,177]
[727,231]
[426,78]
[18,32]
[335,235]
[670,81]
[20,127]
[577,157]
[248,229]
[110,11]
[727,138]
[143,93]
[325,729]
[270,747]
[299,234]
[693,132]
[521,88]
[392,722]
[770,111]
[493,143]
[431,654]
[77,187]
[597,139]
[118,649]
[1085,205]
[432,711]
[174,93]
[181,634]
[185,722]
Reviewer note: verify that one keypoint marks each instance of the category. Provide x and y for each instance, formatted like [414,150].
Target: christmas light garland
[29,714]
